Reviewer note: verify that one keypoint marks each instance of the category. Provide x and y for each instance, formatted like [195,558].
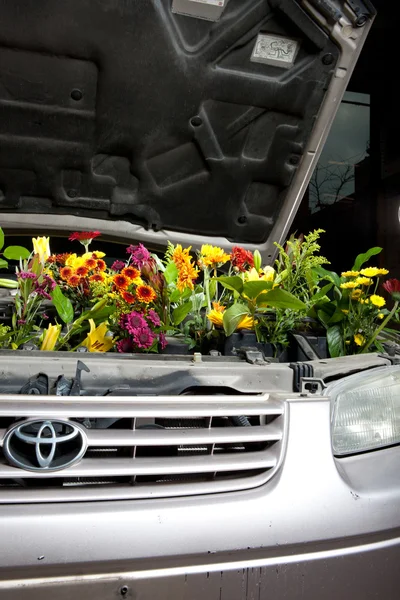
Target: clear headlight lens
[366,411]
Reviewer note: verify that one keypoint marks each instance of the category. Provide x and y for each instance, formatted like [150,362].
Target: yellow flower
[364,300]
[41,247]
[216,317]
[350,273]
[355,295]
[96,253]
[349,285]
[359,339]
[97,339]
[346,312]
[50,338]
[373,272]
[211,256]
[246,323]
[217,306]
[363,281]
[377,301]
[380,315]
[269,274]
[70,262]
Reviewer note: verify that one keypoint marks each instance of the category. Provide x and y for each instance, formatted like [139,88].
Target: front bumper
[321,528]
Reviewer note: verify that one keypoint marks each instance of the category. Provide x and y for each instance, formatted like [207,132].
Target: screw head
[196,121]
[362,19]
[76,95]
[327,59]
[242,219]
[124,590]
[294,160]
[72,194]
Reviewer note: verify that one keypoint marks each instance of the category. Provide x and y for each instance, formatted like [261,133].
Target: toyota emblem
[49,445]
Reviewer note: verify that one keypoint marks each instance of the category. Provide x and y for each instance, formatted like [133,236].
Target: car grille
[150,446]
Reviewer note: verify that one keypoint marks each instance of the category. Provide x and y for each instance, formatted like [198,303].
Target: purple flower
[44,316]
[132,321]
[154,318]
[125,345]
[26,275]
[42,292]
[163,341]
[139,255]
[143,337]
[117,265]
[49,282]
[21,322]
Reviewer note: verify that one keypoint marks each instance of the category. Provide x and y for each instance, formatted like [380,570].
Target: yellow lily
[41,247]
[246,323]
[97,254]
[51,337]
[268,274]
[97,339]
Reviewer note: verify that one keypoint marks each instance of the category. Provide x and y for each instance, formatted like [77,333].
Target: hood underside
[187,119]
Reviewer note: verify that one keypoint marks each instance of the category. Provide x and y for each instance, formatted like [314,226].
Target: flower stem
[381,326]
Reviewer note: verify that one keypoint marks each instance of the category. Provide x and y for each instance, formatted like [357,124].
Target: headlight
[366,411]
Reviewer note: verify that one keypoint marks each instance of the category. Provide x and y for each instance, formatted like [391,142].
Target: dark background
[369,217]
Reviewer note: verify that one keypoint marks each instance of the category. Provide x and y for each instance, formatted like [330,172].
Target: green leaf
[171,273]
[3,263]
[63,305]
[181,312]
[213,288]
[322,292]
[252,289]
[234,283]
[16,252]
[335,341]
[1,238]
[278,298]
[233,316]
[363,258]
[329,275]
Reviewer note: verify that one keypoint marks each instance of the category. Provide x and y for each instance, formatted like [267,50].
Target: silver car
[185,477]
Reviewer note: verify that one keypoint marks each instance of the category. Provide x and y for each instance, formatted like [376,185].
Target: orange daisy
[82,271]
[131,272]
[121,281]
[65,273]
[145,293]
[128,297]
[91,263]
[97,277]
[74,280]
[101,265]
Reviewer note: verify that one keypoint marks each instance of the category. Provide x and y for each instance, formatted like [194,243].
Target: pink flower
[117,265]
[132,321]
[143,337]
[26,275]
[153,317]
[125,345]
[140,255]
[163,341]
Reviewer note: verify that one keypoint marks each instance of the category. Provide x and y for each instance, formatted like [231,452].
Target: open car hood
[189,120]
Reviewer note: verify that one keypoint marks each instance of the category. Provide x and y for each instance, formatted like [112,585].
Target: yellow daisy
[373,272]
[364,280]
[377,301]
[211,256]
[349,285]
[359,339]
[350,273]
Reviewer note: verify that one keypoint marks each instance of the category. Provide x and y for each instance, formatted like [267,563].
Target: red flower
[82,271]
[101,265]
[131,272]
[97,277]
[74,280]
[81,236]
[392,286]
[128,297]
[242,259]
[66,272]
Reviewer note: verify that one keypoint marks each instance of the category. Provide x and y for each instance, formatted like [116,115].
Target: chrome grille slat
[152,447]
[120,467]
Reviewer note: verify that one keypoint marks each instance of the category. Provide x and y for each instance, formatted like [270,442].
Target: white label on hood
[275,50]
[220,3]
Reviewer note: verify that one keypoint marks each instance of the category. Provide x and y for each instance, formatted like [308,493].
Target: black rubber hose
[240,421]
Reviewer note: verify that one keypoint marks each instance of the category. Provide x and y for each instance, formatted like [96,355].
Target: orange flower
[66,272]
[186,277]
[74,280]
[128,297]
[97,277]
[101,265]
[121,281]
[145,294]
[130,272]
[82,271]
[91,263]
